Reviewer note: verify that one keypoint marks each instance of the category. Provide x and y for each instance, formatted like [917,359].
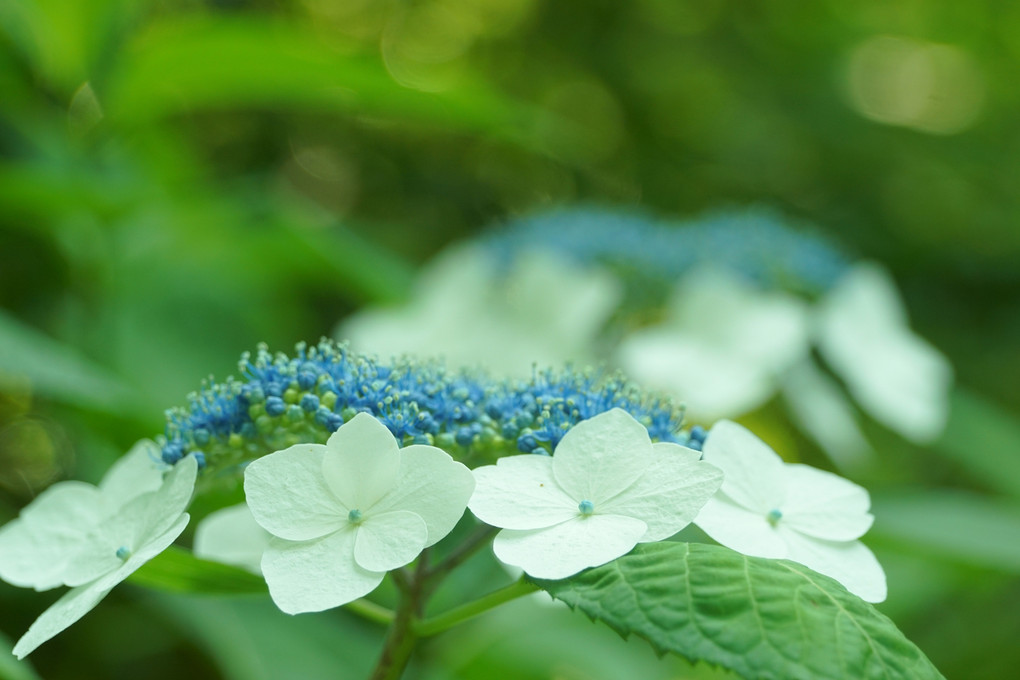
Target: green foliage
[760,618]
[962,526]
[178,570]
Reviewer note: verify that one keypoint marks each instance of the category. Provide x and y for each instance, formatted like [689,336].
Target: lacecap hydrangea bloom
[605,489]
[93,538]
[768,508]
[344,514]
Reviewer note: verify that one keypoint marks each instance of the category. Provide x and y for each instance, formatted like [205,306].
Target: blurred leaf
[57,371]
[964,526]
[209,63]
[178,570]
[250,639]
[10,667]
[757,617]
[984,439]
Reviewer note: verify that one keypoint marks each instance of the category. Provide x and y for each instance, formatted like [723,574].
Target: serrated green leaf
[177,570]
[759,618]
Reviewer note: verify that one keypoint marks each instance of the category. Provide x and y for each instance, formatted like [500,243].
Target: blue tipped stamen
[773,516]
[354,516]
[586,507]
[469,415]
[123,553]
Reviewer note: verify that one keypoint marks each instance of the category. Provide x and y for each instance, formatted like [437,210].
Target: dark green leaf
[760,618]
[177,570]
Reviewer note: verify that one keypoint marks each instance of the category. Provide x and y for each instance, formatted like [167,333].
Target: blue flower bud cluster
[280,401]
[756,243]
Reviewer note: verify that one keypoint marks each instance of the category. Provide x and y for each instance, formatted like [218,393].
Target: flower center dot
[354,516]
[774,516]
[586,507]
[123,552]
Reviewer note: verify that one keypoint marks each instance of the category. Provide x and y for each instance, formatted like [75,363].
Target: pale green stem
[439,623]
[371,611]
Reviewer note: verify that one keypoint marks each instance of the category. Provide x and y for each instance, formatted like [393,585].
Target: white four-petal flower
[606,488]
[768,508]
[344,514]
[93,538]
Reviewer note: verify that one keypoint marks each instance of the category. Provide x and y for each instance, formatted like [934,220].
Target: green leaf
[984,439]
[177,570]
[201,63]
[58,371]
[10,667]
[963,526]
[759,618]
[250,639]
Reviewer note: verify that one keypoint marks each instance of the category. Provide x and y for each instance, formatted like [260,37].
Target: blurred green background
[180,180]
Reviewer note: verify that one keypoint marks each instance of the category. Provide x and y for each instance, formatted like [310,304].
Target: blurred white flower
[606,488]
[95,542]
[232,536]
[819,406]
[722,347]
[344,514]
[898,378]
[543,310]
[768,508]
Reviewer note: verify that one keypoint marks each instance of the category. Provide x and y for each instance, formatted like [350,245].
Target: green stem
[437,624]
[371,611]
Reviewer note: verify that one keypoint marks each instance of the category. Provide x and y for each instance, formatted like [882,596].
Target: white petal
[36,548]
[824,505]
[136,472]
[754,475]
[520,492]
[288,496]
[740,529]
[362,462]
[850,563]
[669,494]
[565,549]
[79,601]
[310,576]
[896,376]
[389,540]
[432,485]
[822,411]
[143,519]
[600,457]
[675,450]
[232,536]
[716,382]
[170,500]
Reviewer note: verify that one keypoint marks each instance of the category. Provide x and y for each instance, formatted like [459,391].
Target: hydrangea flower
[344,513]
[723,340]
[897,377]
[768,508]
[606,488]
[542,309]
[232,536]
[38,547]
[92,539]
